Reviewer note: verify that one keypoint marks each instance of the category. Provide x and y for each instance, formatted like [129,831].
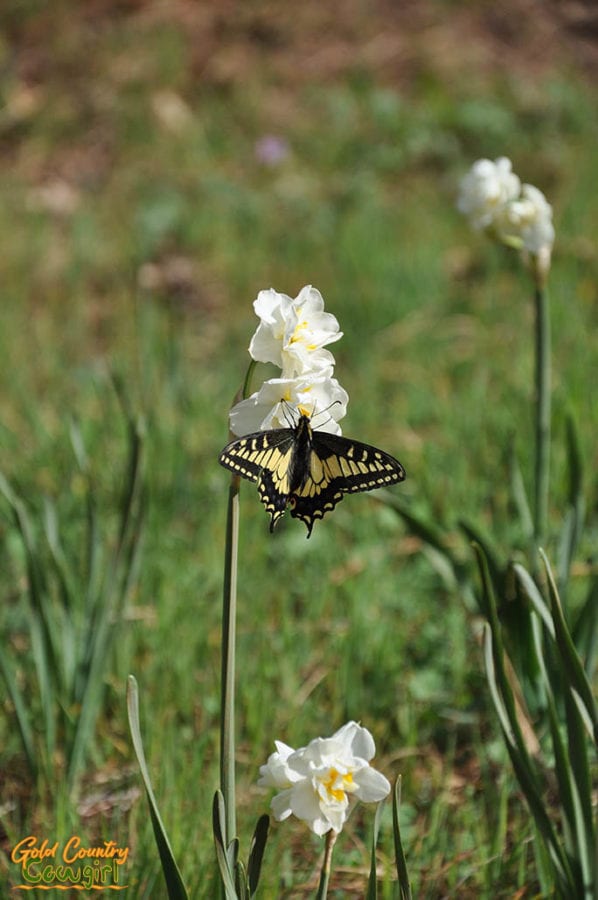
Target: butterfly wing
[310,477]
[337,466]
[264,457]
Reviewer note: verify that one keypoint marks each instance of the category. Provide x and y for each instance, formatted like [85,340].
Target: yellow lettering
[75,843]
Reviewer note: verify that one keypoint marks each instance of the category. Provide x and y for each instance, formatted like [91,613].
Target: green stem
[543,414]
[229,633]
[227,703]
[326,865]
[248,376]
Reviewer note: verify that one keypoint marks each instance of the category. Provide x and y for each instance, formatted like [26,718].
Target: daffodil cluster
[321,783]
[492,197]
[293,335]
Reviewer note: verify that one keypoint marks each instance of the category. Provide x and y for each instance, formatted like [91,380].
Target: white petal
[281,805]
[321,754]
[309,299]
[276,772]
[356,740]
[298,359]
[336,814]
[305,805]
[266,345]
[486,188]
[372,786]
[271,307]
[245,417]
[292,333]
[315,393]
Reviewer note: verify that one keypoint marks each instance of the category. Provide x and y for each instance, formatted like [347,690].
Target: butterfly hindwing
[309,471]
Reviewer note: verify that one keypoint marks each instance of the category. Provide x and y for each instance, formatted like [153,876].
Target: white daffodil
[321,783]
[293,333]
[527,221]
[485,190]
[280,401]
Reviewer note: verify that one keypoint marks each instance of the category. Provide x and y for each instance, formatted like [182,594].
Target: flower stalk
[518,215]
[542,411]
[229,627]
[326,865]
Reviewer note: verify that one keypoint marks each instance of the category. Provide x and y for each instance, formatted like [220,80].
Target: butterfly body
[308,470]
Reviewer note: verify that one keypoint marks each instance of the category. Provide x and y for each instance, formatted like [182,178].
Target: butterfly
[308,470]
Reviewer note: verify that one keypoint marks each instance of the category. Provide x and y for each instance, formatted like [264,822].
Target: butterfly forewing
[353,466]
[265,450]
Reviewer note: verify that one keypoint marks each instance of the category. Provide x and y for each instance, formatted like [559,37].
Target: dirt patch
[229,40]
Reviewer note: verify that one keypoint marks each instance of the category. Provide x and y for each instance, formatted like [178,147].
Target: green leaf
[519,494]
[21,712]
[174,882]
[585,630]
[573,521]
[533,594]
[504,702]
[401,862]
[571,663]
[575,461]
[256,853]
[490,556]
[562,764]
[499,690]
[451,571]
[582,794]
[240,877]
[92,694]
[224,864]
[40,620]
[372,890]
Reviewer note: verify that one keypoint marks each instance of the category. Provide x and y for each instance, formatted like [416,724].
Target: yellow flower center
[296,333]
[337,793]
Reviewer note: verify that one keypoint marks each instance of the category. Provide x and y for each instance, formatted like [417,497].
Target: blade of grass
[104,614]
[585,630]
[39,626]
[91,699]
[504,702]
[452,572]
[571,663]
[474,535]
[521,764]
[534,596]
[562,766]
[372,889]
[582,794]
[519,494]
[64,619]
[400,861]
[94,568]
[21,713]
[174,882]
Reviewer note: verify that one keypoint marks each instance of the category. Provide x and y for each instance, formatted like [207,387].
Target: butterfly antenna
[285,411]
[314,414]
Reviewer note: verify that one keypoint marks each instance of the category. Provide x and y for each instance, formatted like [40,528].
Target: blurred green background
[161,164]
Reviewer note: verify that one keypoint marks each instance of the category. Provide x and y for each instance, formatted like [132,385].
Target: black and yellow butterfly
[308,470]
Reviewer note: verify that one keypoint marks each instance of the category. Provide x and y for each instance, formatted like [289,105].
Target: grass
[147,268]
